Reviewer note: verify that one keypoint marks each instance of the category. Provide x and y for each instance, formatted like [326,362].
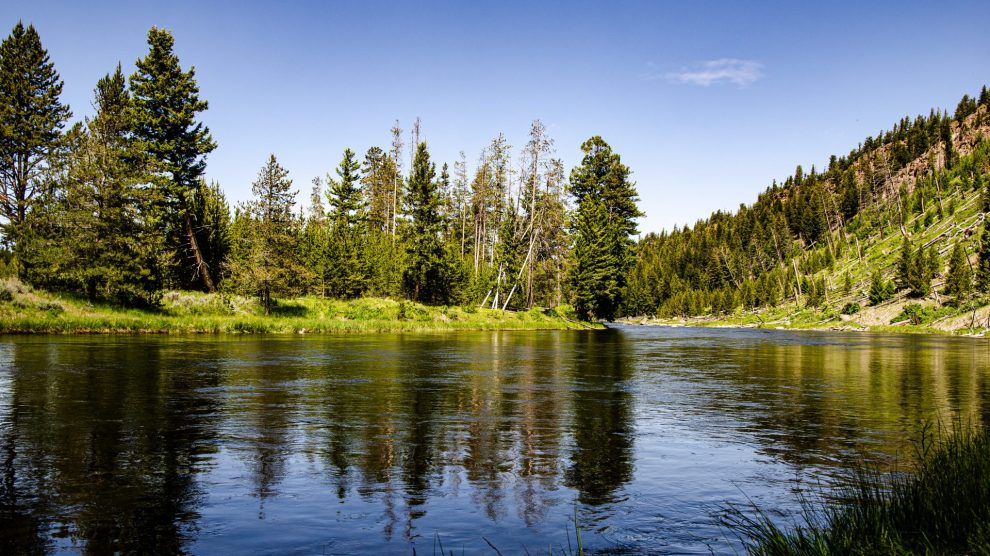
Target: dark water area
[388,443]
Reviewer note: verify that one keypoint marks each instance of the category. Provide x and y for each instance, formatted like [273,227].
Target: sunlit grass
[28,311]
[941,506]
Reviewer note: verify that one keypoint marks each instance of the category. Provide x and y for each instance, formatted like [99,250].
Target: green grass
[26,311]
[941,506]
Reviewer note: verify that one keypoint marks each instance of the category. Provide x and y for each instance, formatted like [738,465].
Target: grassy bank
[27,311]
[942,506]
[900,315]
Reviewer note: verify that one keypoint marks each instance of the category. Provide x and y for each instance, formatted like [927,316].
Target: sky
[706,102]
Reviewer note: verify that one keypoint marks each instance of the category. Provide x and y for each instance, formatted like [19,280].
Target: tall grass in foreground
[941,507]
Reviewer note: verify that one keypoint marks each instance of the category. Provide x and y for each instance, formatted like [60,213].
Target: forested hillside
[899,216]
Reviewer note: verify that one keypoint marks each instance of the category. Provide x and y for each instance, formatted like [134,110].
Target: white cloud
[741,73]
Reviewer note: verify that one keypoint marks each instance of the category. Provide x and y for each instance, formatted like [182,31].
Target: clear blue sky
[707,102]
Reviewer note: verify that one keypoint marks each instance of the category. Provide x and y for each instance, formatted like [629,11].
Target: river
[389,443]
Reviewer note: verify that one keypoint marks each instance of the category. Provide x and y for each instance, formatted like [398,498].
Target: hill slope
[807,251]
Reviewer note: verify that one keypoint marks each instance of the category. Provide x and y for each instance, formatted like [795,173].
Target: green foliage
[916,314]
[264,261]
[53,308]
[942,506]
[606,212]
[792,228]
[916,268]
[93,235]
[959,281]
[983,265]
[163,118]
[432,275]
[346,267]
[851,308]
[211,212]
[816,292]
[880,289]
[31,121]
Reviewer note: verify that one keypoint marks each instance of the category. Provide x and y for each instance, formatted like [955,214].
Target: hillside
[805,254]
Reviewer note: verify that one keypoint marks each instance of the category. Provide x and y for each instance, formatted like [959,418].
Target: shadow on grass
[288,309]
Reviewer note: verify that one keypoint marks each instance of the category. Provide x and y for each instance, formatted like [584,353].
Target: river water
[389,443]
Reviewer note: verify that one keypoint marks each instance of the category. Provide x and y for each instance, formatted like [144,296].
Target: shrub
[915,313]
[851,309]
[51,307]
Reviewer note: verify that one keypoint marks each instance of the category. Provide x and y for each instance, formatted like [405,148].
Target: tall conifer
[605,222]
[31,123]
[165,106]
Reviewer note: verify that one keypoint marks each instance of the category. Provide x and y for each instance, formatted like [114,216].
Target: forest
[115,209]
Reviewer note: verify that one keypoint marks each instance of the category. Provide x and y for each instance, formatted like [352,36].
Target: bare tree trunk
[797,280]
[202,269]
[938,189]
[890,183]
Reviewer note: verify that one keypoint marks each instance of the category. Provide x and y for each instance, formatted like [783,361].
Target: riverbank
[27,311]
[900,315]
[942,506]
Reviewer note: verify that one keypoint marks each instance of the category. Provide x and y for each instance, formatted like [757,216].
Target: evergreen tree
[916,268]
[108,211]
[959,281]
[165,104]
[212,212]
[347,271]
[314,246]
[432,276]
[606,212]
[880,290]
[264,259]
[595,282]
[815,295]
[378,176]
[983,266]
[31,123]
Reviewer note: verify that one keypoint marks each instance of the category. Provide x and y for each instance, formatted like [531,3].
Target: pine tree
[264,261]
[432,275]
[983,266]
[595,282]
[314,245]
[605,220]
[347,269]
[916,268]
[880,290]
[212,212]
[165,104]
[108,211]
[378,175]
[31,123]
[906,265]
[959,281]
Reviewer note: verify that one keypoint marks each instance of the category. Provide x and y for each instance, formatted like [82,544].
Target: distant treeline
[116,209]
